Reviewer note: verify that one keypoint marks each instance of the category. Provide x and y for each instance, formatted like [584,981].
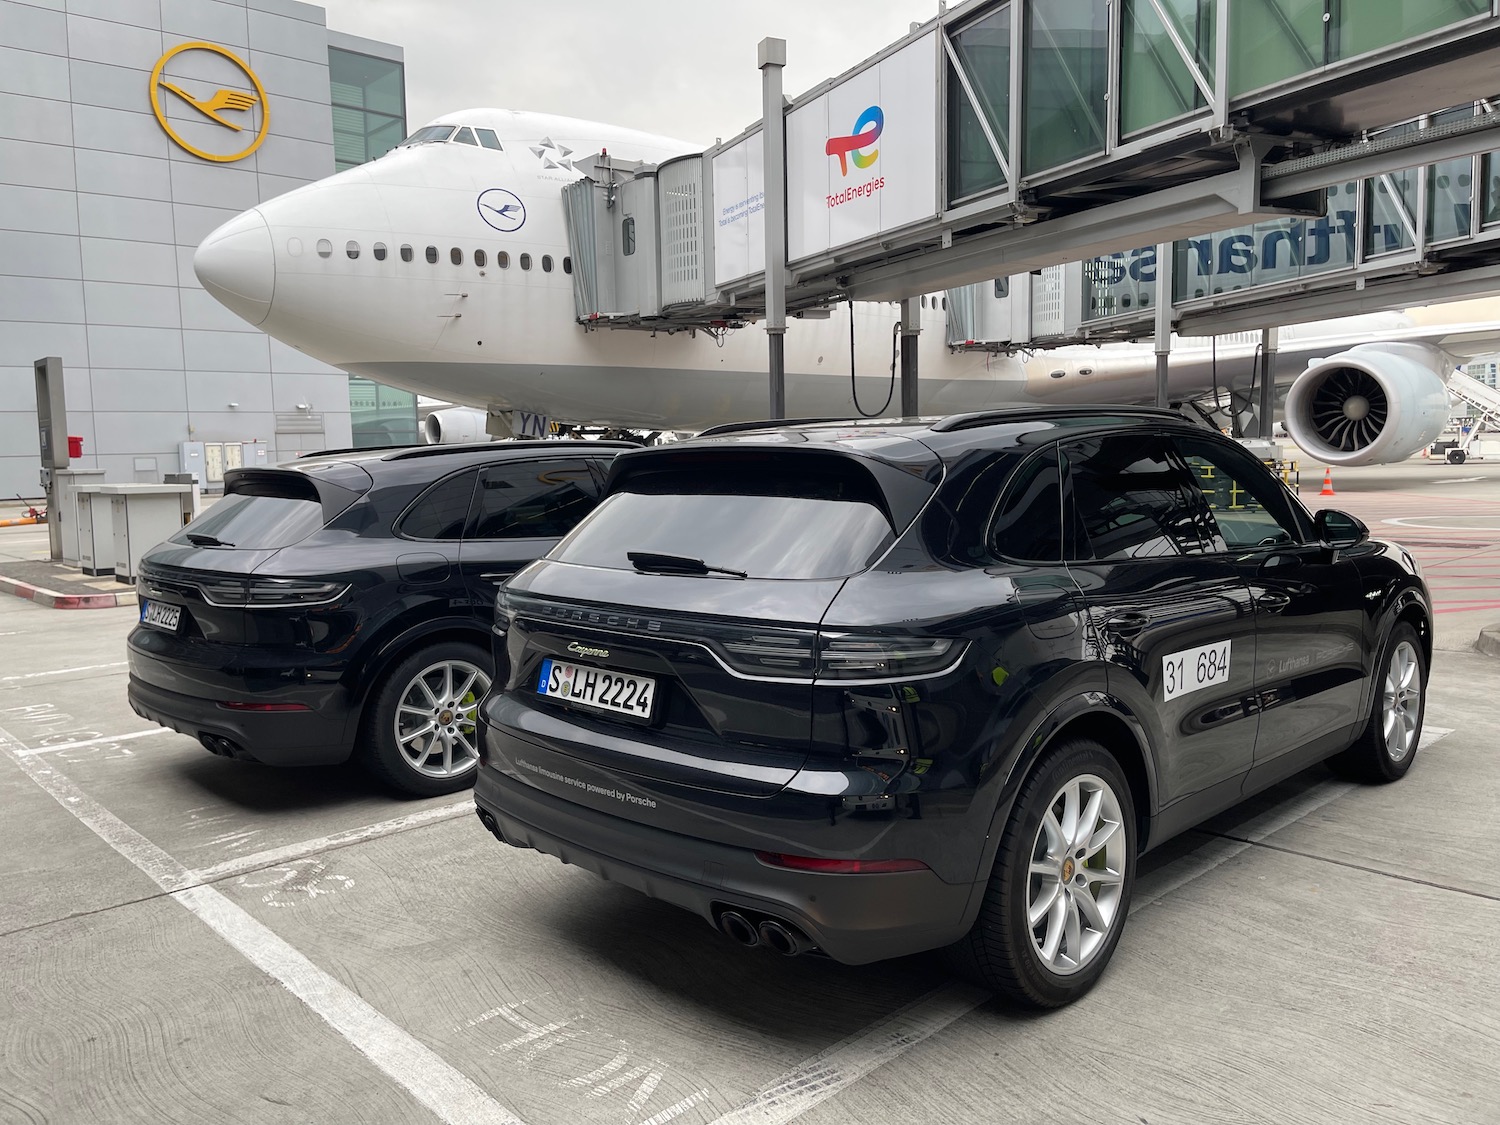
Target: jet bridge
[1007,136]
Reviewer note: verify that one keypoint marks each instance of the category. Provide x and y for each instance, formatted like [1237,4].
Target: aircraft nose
[237,264]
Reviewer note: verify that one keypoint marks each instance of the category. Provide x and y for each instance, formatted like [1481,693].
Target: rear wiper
[201,539]
[653,563]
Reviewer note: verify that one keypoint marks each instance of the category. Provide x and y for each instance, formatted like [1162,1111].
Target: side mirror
[1339,530]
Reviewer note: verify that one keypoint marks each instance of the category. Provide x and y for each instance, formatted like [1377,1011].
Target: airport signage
[209,102]
[862,156]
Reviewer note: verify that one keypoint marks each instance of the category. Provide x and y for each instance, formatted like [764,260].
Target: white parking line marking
[33,751]
[846,1062]
[272,857]
[64,671]
[452,1096]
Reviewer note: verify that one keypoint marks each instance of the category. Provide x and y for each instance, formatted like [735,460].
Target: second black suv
[343,603]
[880,688]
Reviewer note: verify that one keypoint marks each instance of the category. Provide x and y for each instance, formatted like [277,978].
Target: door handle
[1273,601]
[1127,624]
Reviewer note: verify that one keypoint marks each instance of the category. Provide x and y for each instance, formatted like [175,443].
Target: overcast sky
[675,67]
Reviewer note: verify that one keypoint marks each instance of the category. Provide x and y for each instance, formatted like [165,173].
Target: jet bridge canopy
[1005,136]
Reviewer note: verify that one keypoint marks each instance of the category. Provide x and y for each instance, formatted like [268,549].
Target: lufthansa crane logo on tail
[502,209]
[179,100]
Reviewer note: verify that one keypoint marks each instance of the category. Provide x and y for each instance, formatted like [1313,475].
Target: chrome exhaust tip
[735,926]
[783,940]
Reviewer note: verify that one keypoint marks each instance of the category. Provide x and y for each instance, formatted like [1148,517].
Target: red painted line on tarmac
[1465,608]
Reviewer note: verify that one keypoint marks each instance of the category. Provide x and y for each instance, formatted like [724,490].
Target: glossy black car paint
[403,593]
[925,768]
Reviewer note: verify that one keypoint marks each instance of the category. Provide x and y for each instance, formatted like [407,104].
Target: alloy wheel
[1076,876]
[434,725]
[1402,701]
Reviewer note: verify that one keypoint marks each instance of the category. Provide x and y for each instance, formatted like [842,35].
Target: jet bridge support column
[1269,338]
[911,326]
[771,57]
[1163,320]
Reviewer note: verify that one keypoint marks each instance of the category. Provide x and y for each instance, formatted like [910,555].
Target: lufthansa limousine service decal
[209,102]
[502,209]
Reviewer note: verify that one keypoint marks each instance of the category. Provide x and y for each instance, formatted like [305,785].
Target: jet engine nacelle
[454,425]
[1369,405]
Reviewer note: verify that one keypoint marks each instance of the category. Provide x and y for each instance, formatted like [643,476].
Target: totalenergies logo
[867,131]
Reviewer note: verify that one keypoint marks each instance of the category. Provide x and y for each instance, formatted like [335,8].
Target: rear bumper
[315,737]
[855,919]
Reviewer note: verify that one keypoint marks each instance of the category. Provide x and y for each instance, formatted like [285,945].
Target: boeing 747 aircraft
[443,267]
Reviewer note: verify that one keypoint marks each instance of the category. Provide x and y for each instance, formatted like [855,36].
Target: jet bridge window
[432,255]
[406,253]
[488,139]
[627,236]
[465,136]
[480,258]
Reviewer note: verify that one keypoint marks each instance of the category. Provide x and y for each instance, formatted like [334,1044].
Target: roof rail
[402,453]
[1011,414]
[766,423]
[352,449]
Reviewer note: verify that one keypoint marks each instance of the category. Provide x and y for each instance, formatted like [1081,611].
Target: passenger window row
[481,257]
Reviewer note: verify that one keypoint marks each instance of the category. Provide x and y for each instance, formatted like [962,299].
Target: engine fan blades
[1349,409]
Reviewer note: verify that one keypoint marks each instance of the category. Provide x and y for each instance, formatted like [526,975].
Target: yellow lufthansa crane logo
[233,109]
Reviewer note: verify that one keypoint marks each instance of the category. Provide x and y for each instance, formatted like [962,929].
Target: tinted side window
[1131,497]
[439,513]
[534,499]
[1247,502]
[1028,524]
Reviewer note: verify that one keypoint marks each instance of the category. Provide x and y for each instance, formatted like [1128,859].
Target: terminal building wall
[100,212]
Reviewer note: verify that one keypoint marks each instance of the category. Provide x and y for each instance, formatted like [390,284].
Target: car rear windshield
[254,522]
[818,522]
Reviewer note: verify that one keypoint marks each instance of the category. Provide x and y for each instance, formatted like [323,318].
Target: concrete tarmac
[190,939]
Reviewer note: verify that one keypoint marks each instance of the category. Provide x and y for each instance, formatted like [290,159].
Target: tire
[1004,951]
[433,695]
[1457,456]
[1386,748]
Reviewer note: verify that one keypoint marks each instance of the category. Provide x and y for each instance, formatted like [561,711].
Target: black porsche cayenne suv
[341,604]
[871,689]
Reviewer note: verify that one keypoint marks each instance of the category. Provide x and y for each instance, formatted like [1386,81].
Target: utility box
[65,486]
[143,516]
[255,455]
[96,535]
[192,503]
[190,457]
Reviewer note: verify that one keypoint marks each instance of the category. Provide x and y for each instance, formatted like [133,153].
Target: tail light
[270,593]
[836,656]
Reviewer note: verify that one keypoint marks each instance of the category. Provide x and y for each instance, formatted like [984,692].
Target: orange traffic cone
[1327,482]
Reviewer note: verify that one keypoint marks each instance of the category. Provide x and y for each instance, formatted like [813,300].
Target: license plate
[160,615]
[615,692]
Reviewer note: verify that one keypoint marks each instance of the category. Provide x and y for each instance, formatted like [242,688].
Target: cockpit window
[488,139]
[430,134]
[465,136]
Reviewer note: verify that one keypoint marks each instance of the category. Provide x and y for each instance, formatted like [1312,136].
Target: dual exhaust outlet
[775,935]
[749,931]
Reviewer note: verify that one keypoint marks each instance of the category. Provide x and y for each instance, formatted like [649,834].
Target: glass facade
[1156,82]
[1276,39]
[368,96]
[1066,81]
[369,106]
[382,415]
[983,51]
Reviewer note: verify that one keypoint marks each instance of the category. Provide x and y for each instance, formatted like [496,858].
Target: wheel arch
[397,648]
